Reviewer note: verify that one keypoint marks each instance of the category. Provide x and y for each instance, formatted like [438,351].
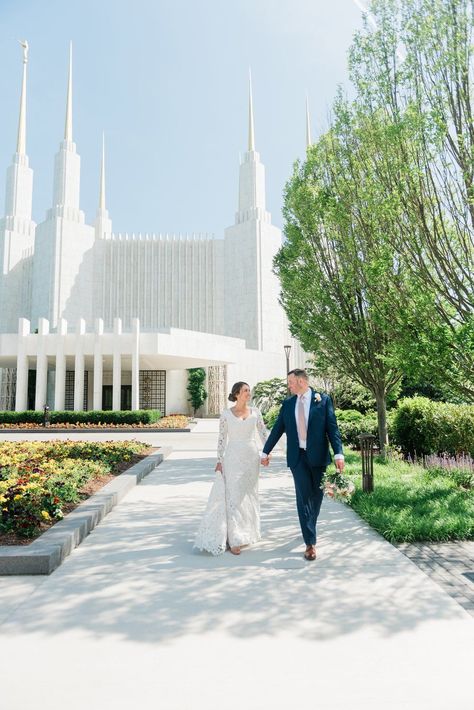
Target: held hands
[265,460]
[218,467]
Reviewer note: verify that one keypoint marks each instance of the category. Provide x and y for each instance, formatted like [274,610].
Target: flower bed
[41,481]
[175,421]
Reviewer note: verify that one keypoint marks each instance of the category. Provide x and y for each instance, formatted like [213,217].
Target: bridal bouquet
[337,486]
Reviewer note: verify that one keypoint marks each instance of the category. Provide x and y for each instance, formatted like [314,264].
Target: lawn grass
[410,504]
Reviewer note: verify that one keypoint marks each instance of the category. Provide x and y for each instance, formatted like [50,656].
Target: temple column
[41,380]
[79,368]
[79,382]
[98,364]
[21,396]
[41,364]
[60,383]
[136,364]
[117,366]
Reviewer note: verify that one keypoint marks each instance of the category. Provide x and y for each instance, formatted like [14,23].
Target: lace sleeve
[262,429]
[221,442]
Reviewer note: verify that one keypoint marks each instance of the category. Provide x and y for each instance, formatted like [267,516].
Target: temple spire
[102,177]
[19,183]
[251,145]
[251,177]
[21,139]
[103,223]
[68,124]
[67,166]
[308,125]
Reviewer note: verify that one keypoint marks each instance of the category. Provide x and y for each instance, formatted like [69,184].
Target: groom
[309,422]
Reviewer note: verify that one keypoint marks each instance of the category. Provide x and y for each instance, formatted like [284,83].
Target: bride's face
[244,395]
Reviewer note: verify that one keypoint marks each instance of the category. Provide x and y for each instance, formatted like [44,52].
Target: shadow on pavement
[137,575]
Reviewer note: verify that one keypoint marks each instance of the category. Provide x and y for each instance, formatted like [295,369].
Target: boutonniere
[317,397]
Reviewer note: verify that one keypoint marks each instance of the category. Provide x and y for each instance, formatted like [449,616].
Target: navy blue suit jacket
[322,429]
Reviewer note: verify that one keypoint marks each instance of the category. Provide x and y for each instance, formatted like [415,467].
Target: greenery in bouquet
[337,486]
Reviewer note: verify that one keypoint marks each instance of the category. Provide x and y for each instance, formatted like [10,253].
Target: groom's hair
[299,373]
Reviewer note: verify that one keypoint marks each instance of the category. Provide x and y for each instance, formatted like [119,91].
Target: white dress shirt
[306,397]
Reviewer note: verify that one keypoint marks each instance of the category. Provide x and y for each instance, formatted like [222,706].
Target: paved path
[135,619]
[450,564]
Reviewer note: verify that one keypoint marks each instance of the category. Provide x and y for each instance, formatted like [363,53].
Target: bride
[232,515]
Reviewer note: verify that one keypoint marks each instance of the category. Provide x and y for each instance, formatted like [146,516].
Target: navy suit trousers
[309,495]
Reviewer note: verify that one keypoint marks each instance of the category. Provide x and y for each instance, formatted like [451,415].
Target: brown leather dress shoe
[310,553]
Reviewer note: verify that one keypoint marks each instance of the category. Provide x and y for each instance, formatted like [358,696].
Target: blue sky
[167,80]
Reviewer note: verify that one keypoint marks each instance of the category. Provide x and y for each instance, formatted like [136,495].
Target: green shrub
[349,395]
[421,426]
[351,415]
[28,417]
[140,416]
[269,394]
[352,423]
[196,390]
[271,415]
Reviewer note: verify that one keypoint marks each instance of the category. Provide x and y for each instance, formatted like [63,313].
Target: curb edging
[49,550]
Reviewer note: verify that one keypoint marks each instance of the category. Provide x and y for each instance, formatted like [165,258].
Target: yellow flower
[17,497]
[45,515]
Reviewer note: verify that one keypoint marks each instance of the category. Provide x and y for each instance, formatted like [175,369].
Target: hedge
[352,423]
[139,416]
[422,426]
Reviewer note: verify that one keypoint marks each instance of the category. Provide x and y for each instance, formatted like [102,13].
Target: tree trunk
[382,421]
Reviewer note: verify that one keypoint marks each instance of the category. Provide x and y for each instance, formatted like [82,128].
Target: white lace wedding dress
[233,511]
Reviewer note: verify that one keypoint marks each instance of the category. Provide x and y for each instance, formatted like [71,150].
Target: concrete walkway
[135,619]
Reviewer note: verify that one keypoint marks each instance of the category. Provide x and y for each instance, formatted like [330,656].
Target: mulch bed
[86,492]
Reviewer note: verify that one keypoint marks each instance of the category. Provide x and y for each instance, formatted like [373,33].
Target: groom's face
[297,385]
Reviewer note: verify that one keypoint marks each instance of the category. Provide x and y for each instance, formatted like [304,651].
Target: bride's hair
[236,390]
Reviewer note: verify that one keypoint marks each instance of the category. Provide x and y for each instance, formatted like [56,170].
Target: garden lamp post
[367,456]
[287,349]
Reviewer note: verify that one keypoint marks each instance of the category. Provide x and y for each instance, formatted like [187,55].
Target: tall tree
[337,266]
[416,70]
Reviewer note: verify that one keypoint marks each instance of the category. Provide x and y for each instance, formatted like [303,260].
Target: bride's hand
[218,467]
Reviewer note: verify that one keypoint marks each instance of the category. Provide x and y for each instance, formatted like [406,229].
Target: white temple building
[94,319]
